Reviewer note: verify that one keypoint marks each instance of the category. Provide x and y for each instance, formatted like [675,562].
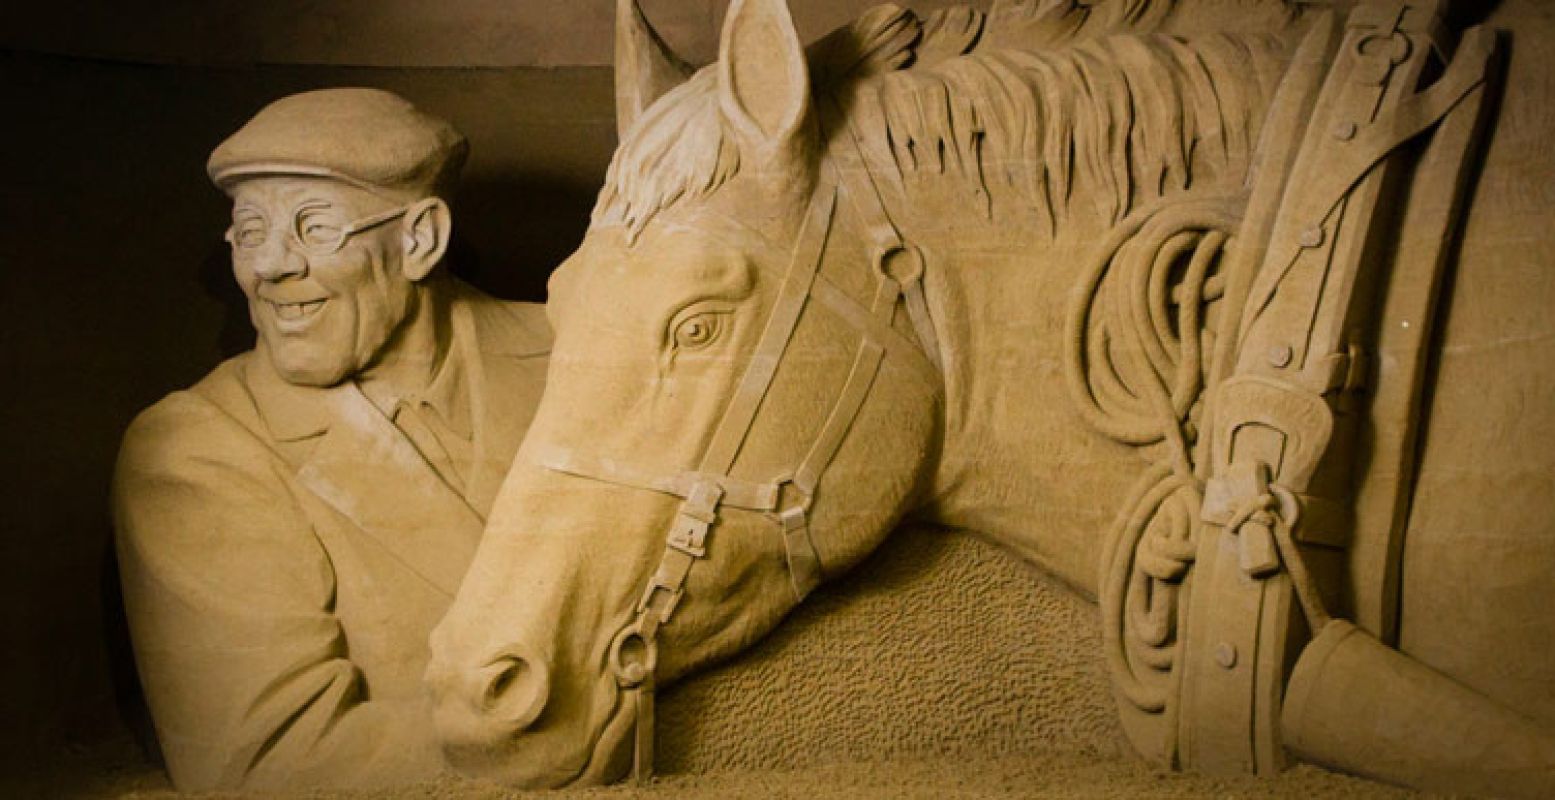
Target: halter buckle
[658,584]
[688,535]
[697,513]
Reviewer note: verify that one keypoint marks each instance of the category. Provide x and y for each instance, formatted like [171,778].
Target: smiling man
[292,527]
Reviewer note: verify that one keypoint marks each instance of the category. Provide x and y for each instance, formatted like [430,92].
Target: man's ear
[425,231]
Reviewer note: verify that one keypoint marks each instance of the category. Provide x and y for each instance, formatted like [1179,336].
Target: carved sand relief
[972,267]
[1112,283]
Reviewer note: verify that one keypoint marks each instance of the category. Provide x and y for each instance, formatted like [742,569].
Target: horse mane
[1039,96]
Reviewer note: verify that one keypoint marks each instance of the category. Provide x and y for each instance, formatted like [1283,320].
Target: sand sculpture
[291,527]
[1117,283]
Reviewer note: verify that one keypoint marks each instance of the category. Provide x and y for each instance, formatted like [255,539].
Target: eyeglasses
[315,229]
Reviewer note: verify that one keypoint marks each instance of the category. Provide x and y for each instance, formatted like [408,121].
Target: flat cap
[371,138]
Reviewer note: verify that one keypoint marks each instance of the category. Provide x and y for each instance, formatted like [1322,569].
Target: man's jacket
[285,552]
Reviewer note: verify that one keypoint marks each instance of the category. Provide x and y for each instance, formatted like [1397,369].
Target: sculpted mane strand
[1043,102]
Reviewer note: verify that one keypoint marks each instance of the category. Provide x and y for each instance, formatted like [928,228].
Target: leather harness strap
[633,655]
[740,415]
[1344,167]
[880,332]
[737,493]
[889,246]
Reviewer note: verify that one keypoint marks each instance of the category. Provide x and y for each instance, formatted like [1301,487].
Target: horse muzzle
[490,716]
[484,705]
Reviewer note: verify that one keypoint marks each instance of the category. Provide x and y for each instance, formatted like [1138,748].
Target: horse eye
[697,331]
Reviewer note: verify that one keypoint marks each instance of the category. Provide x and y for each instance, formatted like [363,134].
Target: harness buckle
[657,584]
[696,515]
[688,535]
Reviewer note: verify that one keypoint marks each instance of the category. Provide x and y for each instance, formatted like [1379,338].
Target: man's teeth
[296,310]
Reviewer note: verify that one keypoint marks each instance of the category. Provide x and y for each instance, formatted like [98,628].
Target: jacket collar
[350,455]
[289,411]
[292,413]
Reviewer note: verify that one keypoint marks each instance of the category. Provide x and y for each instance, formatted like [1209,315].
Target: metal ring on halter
[885,256]
[632,675]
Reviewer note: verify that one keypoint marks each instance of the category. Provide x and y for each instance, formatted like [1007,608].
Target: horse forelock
[677,151]
[1028,111]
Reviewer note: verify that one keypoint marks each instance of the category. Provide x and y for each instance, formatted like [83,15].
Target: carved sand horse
[972,268]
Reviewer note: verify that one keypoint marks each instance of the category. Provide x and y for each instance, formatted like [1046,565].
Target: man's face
[323,316]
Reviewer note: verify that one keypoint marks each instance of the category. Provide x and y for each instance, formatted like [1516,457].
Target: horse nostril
[514,690]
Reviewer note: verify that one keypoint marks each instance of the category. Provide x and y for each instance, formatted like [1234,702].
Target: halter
[898,265]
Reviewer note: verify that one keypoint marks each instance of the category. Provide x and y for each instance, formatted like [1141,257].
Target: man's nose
[278,261]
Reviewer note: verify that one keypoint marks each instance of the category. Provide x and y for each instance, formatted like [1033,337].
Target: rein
[633,654]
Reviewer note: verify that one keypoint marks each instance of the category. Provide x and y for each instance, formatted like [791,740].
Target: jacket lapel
[351,456]
[366,469]
[508,357]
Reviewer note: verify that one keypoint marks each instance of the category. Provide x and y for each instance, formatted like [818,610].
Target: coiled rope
[1134,366]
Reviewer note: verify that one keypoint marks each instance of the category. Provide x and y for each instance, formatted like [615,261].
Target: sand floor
[1007,697]
[121,773]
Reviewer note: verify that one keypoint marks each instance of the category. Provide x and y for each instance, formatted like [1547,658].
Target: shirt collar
[448,395]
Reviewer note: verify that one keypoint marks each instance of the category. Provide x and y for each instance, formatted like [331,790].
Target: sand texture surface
[941,668]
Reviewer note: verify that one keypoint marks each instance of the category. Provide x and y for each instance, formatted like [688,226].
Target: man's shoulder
[213,417]
[506,327]
[222,394]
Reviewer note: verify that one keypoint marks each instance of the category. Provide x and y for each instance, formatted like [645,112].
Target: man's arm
[230,597]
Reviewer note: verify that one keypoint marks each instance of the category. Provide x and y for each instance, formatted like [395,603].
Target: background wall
[387,33]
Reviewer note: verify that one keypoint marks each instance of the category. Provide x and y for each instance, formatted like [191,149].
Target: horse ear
[645,66]
[763,81]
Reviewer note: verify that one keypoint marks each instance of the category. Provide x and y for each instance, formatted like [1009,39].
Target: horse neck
[1016,462]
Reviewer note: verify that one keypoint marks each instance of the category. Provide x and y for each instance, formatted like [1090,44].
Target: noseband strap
[633,654]
[737,493]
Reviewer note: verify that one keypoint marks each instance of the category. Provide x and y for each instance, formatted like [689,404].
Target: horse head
[735,409]
[820,289]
